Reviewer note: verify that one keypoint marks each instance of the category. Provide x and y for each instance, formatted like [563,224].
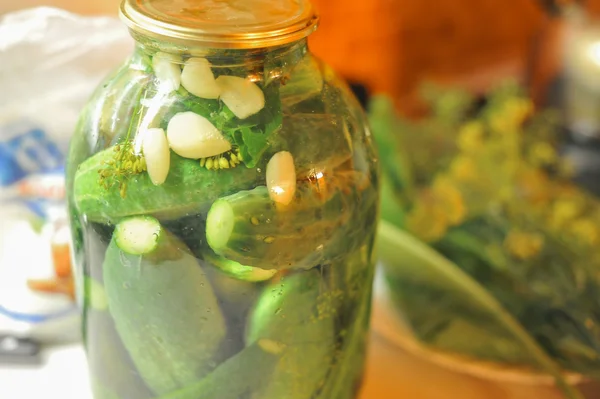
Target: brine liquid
[344,297]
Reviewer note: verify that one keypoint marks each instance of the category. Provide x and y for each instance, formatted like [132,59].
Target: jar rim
[232,24]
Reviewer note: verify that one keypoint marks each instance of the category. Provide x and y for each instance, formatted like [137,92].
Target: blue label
[28,153]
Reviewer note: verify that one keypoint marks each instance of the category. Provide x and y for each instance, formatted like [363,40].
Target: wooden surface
[395,374]
[398,367]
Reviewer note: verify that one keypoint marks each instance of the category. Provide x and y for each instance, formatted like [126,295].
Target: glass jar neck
[288,54]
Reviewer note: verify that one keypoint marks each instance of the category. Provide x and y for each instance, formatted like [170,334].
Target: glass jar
[223,192]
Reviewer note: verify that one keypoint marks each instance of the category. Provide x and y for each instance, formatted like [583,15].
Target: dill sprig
[230,159]
[125,163]
[123,166]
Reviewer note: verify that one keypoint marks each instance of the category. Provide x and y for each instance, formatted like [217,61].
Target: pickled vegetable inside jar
[223,194]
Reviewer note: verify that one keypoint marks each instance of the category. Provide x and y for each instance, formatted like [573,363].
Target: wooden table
[395,373]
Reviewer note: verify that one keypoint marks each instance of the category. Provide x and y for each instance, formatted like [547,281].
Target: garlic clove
[281,178]
[197,78]
[167,70]
[193,136]
[243,97]
[158,157]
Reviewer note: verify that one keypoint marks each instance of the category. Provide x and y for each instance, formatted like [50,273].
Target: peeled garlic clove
[198,79]
[243,97]
[167,70]
[158,157]
[193,136]
[281,178]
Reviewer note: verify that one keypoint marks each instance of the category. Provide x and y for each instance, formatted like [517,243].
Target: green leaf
[405,258]
[250,135]
[391,208]
[206,108]
[256,144]
[384,124]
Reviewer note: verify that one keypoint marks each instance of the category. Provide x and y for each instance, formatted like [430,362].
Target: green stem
[392,240]
[136,119]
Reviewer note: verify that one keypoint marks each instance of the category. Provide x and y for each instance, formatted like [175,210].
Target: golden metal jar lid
[222,23]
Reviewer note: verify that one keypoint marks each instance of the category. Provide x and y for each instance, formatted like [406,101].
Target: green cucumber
[350,360]
[245,373]
[162,304]
[289,313]
[361,226]
[99,391]
[236,297]
[115,102]
[306,81]
[237,270]
[95,297]
[249,228]
[318,142]
[188,189]
[112,372]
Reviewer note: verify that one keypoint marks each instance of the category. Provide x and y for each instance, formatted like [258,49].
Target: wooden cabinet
[392,45]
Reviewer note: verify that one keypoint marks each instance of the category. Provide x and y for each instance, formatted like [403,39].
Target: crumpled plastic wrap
[50,63]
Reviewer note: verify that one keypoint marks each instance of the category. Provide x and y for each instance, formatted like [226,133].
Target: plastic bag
[50,63]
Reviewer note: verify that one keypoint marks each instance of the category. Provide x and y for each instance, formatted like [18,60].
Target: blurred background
[392,45]
[390,48]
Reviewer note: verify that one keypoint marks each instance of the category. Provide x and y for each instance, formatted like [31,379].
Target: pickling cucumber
[245,373]
[318,142]
[306,81]
[294,313]
[162,304]
[236,270]
[350,359]
[235,297]
[188,189]
[101,392]
[360,227]
[94,295]
[112,372]
[115,103]
[249,228]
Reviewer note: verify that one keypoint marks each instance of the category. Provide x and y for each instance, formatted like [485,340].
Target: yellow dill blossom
[512,115]
[499,124]
[534,186]
[427,222]
[523,245]
[585,230]
[124,165]
[564,211]
[505,193]
[463,169]
[542,153]
[519,109]
[450,200]
[470,137]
